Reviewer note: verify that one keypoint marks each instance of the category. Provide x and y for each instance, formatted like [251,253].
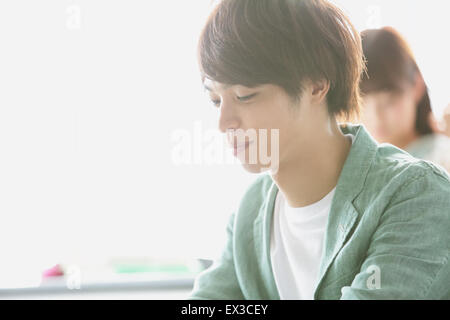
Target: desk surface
[126,288]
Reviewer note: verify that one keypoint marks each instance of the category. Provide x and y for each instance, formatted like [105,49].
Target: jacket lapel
[267,288]
[340,222]
[343,214]
[342,217]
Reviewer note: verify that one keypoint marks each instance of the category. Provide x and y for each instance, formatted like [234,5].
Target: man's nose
[228,117]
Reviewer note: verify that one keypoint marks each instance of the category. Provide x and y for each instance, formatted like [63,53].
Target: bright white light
[91,93]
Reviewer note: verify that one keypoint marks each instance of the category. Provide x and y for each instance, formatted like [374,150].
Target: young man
[338,216]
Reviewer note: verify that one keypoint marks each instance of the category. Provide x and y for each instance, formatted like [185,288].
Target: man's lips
[240,146]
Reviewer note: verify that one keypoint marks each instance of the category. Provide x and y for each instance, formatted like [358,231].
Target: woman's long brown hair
[391,65]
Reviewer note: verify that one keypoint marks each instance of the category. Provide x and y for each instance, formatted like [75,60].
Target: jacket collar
[343,214]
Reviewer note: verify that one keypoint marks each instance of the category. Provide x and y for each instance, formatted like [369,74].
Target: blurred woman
[397,107]
[446,122]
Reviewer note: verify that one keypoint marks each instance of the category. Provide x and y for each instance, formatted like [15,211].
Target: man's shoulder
[393,170]
[260,186]
[391,163]
[254,198]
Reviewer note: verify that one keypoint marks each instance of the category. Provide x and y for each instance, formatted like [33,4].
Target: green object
[131,268]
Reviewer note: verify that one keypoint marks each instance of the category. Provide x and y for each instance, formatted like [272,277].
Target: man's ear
[320,89]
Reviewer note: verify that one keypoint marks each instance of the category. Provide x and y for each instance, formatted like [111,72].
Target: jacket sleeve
[219,281]
[408,254]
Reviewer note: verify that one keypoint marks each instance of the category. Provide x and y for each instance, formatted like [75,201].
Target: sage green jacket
[387,235]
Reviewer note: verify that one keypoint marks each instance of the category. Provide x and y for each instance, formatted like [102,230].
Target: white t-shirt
[296,242]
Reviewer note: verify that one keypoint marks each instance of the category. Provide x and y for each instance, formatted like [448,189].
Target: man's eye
[246,97]
[215,102]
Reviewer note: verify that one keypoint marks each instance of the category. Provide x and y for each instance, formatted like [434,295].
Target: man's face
[264,109]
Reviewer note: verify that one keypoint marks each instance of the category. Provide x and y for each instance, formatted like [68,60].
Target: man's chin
[258,168]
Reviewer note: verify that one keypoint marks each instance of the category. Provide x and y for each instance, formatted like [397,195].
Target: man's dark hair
[284,42]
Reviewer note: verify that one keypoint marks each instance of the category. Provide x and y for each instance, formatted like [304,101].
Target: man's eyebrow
[225,86]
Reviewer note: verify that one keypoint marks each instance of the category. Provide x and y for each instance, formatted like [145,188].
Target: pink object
[55,271]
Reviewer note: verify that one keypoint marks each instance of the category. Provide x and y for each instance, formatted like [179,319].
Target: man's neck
[310,175]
